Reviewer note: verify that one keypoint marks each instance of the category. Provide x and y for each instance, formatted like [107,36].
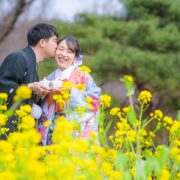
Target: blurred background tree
[145,43]
[9,16]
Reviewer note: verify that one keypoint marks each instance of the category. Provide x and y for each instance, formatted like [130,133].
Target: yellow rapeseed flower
[148,143]
[126,109]
[67,85]
[65,94]
[93,135]
[128,80]
[142,132]
[3,107]
[178,175]
[4,130]
[131,136]
[80,145]
[101,130]
[27,122]
[59,99]
[26,108]
[80,109]
[85,68]
[174,151]
[168,120]
[3,96]
[9,157]
[111,138]
[82,87]
[176,142]
[119,133]
[5,147]
[105,100]
[114,111]
[8,174]
[157,114]
[47,123]
[88,99]
[130,155]
[116,175]
[90,106]
[32,136]
[106,167]
[152,134]
[56,97]
[23,92]
[36,168]
[3,119]
[20,113]
[175,127]
[112,154]
[165,174]
[145,97]
[133,171]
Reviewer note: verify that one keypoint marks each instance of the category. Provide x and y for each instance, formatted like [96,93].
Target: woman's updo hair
[72,44]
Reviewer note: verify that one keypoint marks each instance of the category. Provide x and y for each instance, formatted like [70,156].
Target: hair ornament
[79,60]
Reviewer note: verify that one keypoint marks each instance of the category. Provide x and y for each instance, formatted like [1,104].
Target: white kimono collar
[59,74]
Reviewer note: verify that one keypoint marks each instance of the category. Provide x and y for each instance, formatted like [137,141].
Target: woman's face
[64,56]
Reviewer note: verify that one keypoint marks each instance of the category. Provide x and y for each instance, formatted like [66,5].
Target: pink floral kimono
[50,109]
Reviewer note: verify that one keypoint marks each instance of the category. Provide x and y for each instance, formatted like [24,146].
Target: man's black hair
[40,31]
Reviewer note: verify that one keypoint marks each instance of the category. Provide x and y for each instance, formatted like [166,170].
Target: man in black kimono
[20,68]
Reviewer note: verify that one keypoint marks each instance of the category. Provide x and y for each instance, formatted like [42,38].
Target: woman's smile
[64,56]
[62,59]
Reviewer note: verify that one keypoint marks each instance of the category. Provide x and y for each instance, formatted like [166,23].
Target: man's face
[50,47]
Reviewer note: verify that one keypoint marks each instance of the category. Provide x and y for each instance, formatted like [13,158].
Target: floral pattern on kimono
[88,121]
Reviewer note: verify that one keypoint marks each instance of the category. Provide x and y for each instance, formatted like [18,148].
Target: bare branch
[11,18]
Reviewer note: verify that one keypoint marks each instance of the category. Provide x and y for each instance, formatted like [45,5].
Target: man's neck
[38,53]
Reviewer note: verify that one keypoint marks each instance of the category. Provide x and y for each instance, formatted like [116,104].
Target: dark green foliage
[145,44]
[46,67]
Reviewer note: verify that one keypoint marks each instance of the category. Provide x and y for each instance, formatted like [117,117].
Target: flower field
[130,152]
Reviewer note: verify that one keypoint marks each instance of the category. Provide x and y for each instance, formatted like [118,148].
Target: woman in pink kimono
[69,59]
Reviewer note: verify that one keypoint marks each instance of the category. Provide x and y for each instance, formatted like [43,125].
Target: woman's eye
[70,52]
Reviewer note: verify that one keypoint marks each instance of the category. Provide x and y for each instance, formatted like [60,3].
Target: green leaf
[131,91]
[132,116]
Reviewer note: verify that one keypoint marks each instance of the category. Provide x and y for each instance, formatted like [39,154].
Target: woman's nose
[64,53]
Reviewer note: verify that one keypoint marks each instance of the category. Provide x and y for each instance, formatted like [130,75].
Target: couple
[21,68]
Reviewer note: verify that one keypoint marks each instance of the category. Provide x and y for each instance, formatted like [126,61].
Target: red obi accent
[95,103]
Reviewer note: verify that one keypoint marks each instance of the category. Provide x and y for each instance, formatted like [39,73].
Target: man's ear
[42,42]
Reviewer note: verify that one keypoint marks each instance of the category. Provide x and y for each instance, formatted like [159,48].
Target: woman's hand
[55,90]
[39,89]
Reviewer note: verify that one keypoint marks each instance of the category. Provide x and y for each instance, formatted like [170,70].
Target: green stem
[132,149]
[138,151]
[147,122]
[131,102]
[141,112]
[10,111]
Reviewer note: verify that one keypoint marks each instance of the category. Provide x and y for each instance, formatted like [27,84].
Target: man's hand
[39,89]
[55,90]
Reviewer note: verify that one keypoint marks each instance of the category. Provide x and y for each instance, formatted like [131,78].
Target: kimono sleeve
[78,97]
